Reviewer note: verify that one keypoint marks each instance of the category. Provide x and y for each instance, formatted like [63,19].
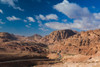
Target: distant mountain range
[66,41]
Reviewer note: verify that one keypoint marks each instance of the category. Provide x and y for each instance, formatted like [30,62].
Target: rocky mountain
[24,46]
[57,36]
[6,37]
[69,42]
[86,43]
[21,46]
[66,41]
[35,37]
[10,43]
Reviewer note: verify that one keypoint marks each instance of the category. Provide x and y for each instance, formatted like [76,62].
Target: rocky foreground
[70,48]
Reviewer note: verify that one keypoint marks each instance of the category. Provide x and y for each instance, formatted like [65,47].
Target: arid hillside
[18,47]
[85,43]
[65,45]
[35,37]
[4,37]
[57,36]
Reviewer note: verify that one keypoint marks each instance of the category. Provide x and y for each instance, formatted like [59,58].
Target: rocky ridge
[57,36]
[86,43]
[68,42]
[4,37]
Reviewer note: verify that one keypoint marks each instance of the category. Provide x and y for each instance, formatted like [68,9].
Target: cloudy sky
[28,17]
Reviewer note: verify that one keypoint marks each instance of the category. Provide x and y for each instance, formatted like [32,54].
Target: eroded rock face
[67,41]
[24,46]
[35,37]
[57,36]
[87,43]
[10,43]
[4,37]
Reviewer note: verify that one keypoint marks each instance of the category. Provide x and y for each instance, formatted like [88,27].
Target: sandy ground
[72,65]
[77,61]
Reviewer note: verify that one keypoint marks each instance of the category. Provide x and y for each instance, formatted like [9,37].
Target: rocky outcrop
[68,42]
[4,37]
[24,47]
[86,43]
[35,37]
[11,43]
[57,36]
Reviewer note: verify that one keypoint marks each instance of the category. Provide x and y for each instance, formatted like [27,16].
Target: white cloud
[41,25]
[1,11]
[97,15]
[11,3]
[42,17]
[72,10]
[28,26]
[82,24]
[30,19]
[25,20]
[39,20]
[51,16]
[43,29]
[64,20]
[1,22]
[82,18]
[18,8]
[13,18]
[57,25]
[47,17]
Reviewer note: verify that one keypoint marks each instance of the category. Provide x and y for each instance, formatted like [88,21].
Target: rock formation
[86,43]
[35,37]
[57,36]
[67,42]
[4,37]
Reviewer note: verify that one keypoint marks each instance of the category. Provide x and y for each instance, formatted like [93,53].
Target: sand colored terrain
[69,48]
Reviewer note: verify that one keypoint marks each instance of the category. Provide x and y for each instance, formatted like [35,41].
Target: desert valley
[49,33]
[61,48]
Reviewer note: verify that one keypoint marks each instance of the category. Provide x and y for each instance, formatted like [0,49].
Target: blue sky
[28,17]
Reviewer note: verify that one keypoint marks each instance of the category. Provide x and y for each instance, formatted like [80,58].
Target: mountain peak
[58,35]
